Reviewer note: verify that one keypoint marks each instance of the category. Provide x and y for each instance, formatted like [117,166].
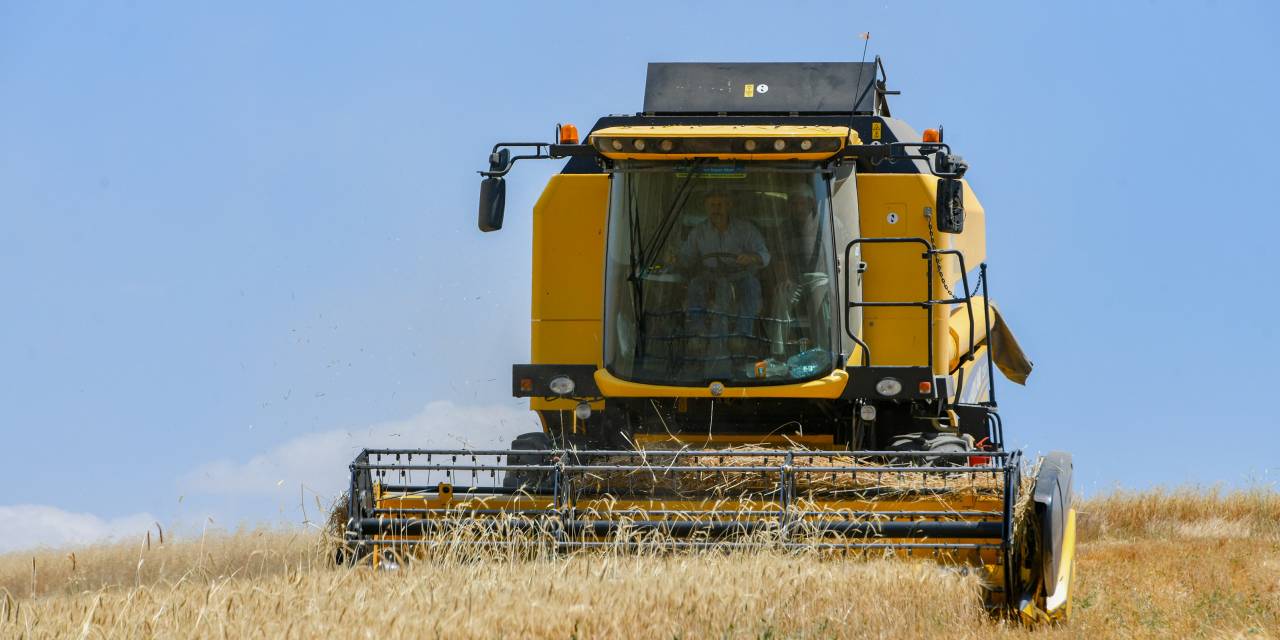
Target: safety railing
[931,257]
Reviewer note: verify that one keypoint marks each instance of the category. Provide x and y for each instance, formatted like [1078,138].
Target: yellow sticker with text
[748,90]
[875,130]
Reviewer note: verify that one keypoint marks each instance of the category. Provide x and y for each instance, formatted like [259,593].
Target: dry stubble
[1151,565]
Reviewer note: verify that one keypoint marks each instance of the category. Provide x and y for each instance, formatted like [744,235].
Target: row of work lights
[716,145]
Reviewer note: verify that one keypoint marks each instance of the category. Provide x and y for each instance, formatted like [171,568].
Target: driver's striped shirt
[739,237]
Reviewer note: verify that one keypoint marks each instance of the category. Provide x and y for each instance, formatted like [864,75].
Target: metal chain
[977,284]
[937,263]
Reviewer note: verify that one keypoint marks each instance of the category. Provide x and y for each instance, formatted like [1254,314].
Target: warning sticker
[713,171]
[748,90]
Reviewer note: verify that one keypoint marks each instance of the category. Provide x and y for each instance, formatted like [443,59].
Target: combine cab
[760,317]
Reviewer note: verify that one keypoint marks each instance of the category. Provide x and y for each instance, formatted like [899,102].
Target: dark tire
[940,443]
[536,441]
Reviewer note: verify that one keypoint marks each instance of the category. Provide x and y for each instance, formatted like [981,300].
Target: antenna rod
[857,88]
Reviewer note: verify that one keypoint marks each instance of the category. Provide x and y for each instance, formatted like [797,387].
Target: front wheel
[1045,549]
[527,479]
[934,443]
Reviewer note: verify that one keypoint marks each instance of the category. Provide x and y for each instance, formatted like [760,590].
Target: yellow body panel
[829,387]
[568,263]
[568,248]
[843,134]
[895,206]
[566,341]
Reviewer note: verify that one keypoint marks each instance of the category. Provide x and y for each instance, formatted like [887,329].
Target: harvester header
[760,314]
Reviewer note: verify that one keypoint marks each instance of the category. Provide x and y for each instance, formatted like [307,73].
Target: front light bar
[744,142]
[762,148]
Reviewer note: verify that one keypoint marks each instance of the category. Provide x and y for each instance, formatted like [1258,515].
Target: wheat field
[1150,565]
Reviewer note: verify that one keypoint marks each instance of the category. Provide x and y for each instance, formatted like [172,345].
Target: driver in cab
[723,254]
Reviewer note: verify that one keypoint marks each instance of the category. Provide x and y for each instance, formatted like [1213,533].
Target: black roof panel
[759,87]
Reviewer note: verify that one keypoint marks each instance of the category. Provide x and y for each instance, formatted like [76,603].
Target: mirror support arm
[501,161]
[936,155]
[493,189]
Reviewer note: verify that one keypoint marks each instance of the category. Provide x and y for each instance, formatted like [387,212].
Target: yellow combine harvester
[759,316]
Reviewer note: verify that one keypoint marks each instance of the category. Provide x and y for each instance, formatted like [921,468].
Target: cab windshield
[719,272]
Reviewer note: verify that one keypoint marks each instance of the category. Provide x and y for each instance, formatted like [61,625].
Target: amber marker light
[568,134]
[932,135]
[926,386]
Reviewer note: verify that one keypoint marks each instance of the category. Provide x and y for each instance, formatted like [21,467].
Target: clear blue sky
[246,231]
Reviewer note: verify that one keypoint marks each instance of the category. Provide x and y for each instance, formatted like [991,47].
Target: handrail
[968,304]
[991,352]
[926,304]
[930,255]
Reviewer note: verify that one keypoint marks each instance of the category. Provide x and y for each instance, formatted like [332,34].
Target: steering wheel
[726,264]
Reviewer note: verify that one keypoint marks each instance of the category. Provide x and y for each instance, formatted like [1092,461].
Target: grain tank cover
[760,87]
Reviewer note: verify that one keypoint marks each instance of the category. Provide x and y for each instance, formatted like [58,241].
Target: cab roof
[762,88]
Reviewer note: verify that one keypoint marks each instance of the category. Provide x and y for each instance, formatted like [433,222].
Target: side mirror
[493,201]
[950,205]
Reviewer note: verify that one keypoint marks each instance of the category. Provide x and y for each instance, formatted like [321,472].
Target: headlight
[561,385]
[868,412]
[888,387]
[582,411]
